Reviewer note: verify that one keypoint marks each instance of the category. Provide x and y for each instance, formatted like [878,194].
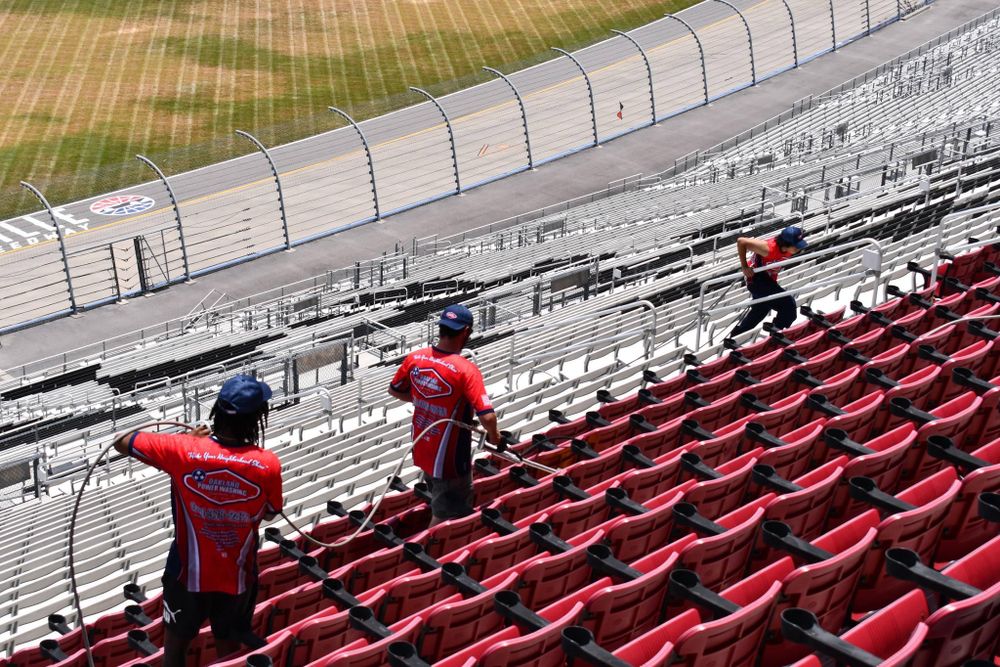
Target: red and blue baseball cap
[456,317]
[793,236]
[243,395]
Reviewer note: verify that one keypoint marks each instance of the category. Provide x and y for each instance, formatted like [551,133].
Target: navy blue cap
[456,317]
[243,395]
[793,236]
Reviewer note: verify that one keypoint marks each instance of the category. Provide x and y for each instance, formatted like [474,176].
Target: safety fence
[175,227]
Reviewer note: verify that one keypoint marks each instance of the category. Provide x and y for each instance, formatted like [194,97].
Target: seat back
[964,529]
[716,497]
[792,460]
[631,537]
[884,466]
[721,560]
[732,640]
[451,626]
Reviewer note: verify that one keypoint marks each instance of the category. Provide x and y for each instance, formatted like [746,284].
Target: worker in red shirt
[765,283]
[222,484]
[442,384]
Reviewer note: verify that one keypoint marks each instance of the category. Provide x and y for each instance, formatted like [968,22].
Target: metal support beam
[649,71]
[868,17]
[368,152]
[833,26]
[62,241]
[795,41]
[177,211]
[701,50]
[524,113]
[590,89]
[277,182]
[451,134]
[899,9]
[753,63]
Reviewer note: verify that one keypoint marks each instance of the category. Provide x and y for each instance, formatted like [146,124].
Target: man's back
[442,385]
[219,496]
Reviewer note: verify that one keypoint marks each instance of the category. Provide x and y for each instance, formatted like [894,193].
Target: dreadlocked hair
[246,429]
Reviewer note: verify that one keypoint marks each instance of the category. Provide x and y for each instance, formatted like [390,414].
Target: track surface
[231,210]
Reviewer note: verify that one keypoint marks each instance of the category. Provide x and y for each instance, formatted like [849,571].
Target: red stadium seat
[686,639]
[510,648]
[716,497]
[883,466]
[792,459]
[918,529]
[805,511]
[277,650]
[964,529]
[824,588]
[632,537]
[721,560]
[363,653]
[327,631]
[451,626]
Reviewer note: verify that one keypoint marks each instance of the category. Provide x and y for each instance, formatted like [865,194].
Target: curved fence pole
[590,89]
[899,9]
[649,70]
[451,134]
[277,181]
[701,50]
[62,241]
[524,113]
[177,211]
[753,62]
[868,18]
[833,26]
[795,42]
[368,151]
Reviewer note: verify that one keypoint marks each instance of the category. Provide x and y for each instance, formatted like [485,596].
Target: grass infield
[87,84]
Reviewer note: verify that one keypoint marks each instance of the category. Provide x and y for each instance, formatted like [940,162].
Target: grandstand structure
[828,492]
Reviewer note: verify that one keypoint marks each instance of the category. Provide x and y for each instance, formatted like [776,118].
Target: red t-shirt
[218,496]
[773,255]
[442,386]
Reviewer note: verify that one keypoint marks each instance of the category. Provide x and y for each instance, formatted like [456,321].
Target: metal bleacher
[714,505]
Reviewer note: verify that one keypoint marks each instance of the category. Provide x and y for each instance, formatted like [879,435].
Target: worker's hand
[493,437]
[748,274]
[201,431]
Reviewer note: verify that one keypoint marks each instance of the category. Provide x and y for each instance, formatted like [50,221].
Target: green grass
[87,84]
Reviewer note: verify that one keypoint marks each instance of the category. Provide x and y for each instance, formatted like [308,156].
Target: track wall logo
[120,205]
[429,383]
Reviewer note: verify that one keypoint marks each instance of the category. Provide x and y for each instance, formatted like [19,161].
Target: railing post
[277,182]
[701,51]
[649,71]
[833,26]
[753,64]
[524,113]
[795,42]
[868,18]
[590,89]
[177,211]
[899,10]
[62,241]
[451,134]
[368,152]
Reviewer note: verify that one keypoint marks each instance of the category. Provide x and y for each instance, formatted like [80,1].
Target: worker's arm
[401,395]
[489,423]
[123,440]
[746,244]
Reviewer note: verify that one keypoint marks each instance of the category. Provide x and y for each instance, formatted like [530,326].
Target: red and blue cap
[456,317]
[243,395]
